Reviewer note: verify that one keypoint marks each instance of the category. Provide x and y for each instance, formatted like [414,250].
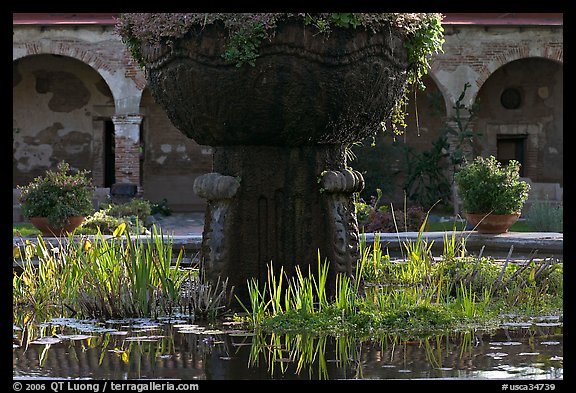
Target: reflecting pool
[180,349]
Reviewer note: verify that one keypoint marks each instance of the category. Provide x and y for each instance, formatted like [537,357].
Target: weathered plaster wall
[52,113]
[539,115]
[97,46]
[472,53]
[490,59]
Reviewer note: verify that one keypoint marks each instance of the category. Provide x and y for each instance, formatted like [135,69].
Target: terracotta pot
[491,223]
[42,224]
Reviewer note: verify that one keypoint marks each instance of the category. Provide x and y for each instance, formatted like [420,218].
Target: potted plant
[492,193]
[57,202]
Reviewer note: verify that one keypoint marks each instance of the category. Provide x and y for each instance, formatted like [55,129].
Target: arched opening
[520,116]
[60,110]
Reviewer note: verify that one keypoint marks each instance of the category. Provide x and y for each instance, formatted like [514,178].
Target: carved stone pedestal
[279,205]
[280,191]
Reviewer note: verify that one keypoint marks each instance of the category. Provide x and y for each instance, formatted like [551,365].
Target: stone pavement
[187,228]
[181,224]
[523,244]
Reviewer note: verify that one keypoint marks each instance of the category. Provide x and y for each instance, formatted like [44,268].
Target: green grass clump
[419,294]
[102,277]
[545,217]
[24,230]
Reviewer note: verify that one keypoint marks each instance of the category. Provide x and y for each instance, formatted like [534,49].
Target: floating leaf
[74,337]
[47,340]
[550,342]
[190,331]
[506,343]
[215,331]
[119,333]
[144,338]
[242,334]
[187,326]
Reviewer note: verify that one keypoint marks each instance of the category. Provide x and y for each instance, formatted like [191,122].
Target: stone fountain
[280,190]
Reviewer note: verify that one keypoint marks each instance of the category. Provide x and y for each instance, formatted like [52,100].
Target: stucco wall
[54,106]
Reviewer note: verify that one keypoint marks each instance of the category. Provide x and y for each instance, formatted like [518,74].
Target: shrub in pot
[492,194]
[58,201]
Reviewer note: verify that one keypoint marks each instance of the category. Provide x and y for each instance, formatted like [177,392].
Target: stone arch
[443,89]
[126,95]
[71,102]
[521,51]
[528,128]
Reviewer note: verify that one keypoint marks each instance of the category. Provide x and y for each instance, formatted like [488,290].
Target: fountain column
[280,190]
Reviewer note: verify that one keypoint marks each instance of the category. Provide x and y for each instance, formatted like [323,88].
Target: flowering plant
[58,195]
[487,186]
[247,31]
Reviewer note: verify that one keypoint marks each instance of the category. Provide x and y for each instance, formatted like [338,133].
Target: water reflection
[136,349]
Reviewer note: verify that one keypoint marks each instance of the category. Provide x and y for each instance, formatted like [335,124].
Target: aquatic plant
[99,277]
[419,293]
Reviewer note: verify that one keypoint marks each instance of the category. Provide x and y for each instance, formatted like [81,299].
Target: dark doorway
[109,154]
[511,147]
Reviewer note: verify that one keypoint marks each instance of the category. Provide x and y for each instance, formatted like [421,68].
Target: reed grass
[101,276]
[419,292]
[124,276]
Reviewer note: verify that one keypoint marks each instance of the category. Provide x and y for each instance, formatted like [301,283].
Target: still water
[179,349]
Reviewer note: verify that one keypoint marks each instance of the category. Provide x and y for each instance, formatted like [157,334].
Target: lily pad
[47,340]
[144,338]
[550,343]
[74,337]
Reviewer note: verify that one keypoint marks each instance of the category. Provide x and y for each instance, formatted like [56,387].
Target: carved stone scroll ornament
[339,187]
[219,191]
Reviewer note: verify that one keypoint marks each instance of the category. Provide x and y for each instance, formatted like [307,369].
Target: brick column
[127,148]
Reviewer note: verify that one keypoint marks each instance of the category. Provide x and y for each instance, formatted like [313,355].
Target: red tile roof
[535,18]
[449,19]
[64,18]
